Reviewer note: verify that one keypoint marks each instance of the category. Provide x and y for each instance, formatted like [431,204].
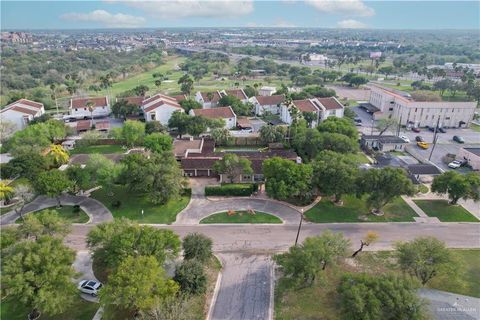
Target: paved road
[83,265]
[275,238]
[451,306]
[245,288]
[94,209]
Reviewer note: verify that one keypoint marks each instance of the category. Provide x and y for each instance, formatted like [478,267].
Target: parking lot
[445,143]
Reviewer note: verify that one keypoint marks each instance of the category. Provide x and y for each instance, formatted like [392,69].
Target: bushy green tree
[38,274]
[179,121]
[114,241]
[271,134]
[133,132]
[190,275]
[52,183]
[122,109]
[287,180]
[339,125]
[232,166]
[197,246]
[44,223]
[387,296]
[189,104]
[221,136]
[458,186]
[139,284]
[158,142]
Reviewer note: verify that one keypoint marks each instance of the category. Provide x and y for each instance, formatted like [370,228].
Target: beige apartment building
[400,105]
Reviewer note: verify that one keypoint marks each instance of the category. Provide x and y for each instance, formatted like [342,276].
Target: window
[246,177]
[152,116]
[84,108]
[447,118]
[76,109]
[390,109]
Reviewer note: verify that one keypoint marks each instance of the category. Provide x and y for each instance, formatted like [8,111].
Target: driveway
[83,265]
[94,209]
[246,288]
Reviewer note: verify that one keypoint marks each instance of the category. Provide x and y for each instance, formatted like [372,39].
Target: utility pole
[398,127]
[434,142]
[299,226]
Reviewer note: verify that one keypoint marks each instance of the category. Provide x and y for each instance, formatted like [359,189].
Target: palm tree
[91,106]
[53,87]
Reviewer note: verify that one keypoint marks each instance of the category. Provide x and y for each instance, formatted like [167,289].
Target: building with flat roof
[471,155]
[401,106]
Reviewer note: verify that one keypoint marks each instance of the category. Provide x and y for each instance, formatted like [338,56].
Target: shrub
[237,190]
[76,208]
[197,246]
[116,204]
[191,277]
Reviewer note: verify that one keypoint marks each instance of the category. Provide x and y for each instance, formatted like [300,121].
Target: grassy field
[67,213]
[241,217]
[320,301]
[445,212]
[359,158]
[80,310]
[132,205]
[102,149]
[355,210]
[475,127]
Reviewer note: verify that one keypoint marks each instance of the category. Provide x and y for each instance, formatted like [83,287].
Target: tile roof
[160,96]
[180,97]
[158,100]
[270,100]
[102,125]
[239,93]
[216,96]
[215,113]
[82,102]
[330,103]
[133,100]
[24,110]
[83,125]
[305,105]
[24,106]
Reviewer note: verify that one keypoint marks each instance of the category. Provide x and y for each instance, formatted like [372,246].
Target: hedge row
[232,189]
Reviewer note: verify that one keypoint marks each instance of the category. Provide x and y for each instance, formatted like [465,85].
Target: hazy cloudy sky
[248,13]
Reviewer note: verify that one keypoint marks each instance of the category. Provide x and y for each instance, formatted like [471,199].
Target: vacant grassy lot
[320,301]
[355,210]
[241,217]
[80,310]
[445,212]
[102,149]
[132,204]
[67,213]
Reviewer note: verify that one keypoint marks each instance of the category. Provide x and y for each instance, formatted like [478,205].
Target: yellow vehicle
[422,144]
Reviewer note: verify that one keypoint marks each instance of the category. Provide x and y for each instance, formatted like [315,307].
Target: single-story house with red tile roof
[225,113]
[135,100]
[209,99]
[21,112]
[239,93]
[79,107]
[160,108]
[321,107]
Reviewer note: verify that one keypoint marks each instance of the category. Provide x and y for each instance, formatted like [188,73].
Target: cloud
[343,7]
[107,19]
[351,24]
[176,9]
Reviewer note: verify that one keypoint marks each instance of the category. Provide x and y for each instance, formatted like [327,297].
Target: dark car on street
[419,139]
[458,139]
[441,130]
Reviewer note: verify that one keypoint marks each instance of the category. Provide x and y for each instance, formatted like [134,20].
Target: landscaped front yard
[444,211]
[68,213]
[79,310]
[132,204]
[102,149]
[241,217]
[355,210]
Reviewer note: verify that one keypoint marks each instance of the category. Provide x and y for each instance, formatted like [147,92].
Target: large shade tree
[233,166]
[458,186]
[52,183]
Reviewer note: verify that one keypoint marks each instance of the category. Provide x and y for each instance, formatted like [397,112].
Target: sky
[354,14]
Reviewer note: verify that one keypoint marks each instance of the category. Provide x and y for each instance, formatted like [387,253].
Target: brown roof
[30,103]
[180,97]
[133,100]
[82,102]
[158,96]
[215,113]
[83,125]
[216,96]
[244,122]
[239,93]
[305,105]
[330,103]
[180,147]
[24,110]
[24,106]
[102,125]
[270,100]
[198,163]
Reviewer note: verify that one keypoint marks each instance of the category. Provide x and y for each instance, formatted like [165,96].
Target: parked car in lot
[455,164]
[419,139]
[422,144]
[458,139]
[442,130]
[431,129]
[405,138]
[90,287]
[416,129]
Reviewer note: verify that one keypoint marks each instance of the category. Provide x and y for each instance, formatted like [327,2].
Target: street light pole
[299,226]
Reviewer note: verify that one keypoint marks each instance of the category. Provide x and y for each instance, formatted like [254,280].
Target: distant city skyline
[351,14]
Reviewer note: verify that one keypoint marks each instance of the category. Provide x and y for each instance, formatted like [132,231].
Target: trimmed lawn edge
[444,211]
[259,217]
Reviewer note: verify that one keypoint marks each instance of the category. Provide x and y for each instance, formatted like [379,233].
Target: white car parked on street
[90,287]
[455,164]
[405,138]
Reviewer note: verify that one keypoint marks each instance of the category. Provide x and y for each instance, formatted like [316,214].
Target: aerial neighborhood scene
[240,160]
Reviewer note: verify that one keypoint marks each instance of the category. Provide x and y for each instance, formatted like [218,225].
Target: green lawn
[445,212]
[355,210]
[475,127]
[132,205]
[241,217]
[67,213]
[359,158]
[80,310]
[102,149]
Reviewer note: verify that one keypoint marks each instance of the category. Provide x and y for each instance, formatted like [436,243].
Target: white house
[267,91]
[270,104]
[225,113]
[321,107]
[160,108]
[411,113]
[211,99]
[21,112]
[79,107]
